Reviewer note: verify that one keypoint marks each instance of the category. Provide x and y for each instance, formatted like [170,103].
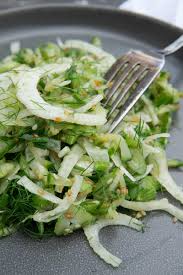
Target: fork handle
[173,47]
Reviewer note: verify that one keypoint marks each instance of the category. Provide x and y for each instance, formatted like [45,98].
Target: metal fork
[130,76]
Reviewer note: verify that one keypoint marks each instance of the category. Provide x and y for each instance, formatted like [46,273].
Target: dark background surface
[159,251]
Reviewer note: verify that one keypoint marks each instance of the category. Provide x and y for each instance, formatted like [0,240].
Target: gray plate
[160,249]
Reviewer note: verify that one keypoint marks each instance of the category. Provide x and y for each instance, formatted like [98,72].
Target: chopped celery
[91,206]
[69,139]
[101,166]
[137,163]
[96,41]
[131,141]
[50,52]
[86,187]
[125,151]
[82,217]
[73,219]
[145,190]
[25,56]
[62,226]
[175,163]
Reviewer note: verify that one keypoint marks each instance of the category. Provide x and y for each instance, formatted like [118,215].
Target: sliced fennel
[28,80]
[70,161]
[63,204]
[92,234]
[94,101]
[118,163]
[153,137]
[105,59]
[148,149]
[151,109]
[162,204]
[160,172]
[63,152]
[148,170]
[35,189]
[59,168]
[96,153]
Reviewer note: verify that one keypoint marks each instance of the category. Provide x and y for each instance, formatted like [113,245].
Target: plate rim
[42,6]
[130,14]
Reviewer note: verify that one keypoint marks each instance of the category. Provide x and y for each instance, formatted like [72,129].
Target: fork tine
[132,99]
[115,68]
[124,90]
[119,80]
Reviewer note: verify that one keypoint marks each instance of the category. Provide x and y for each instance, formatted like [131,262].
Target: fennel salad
[59,168]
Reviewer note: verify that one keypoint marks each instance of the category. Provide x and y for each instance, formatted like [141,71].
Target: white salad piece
[37,106]
[96,153]
[15,47]
[106,59]
[162,204]
[70,161]
[63,204]
[63,152]
[160,172]
[92,234]
[37,190]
